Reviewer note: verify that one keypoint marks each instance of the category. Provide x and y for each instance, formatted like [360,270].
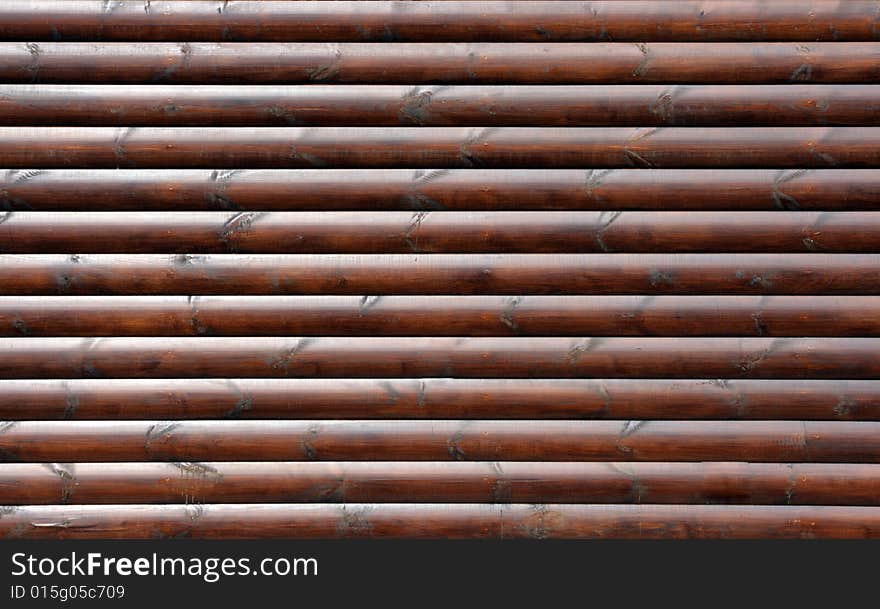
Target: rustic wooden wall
[440,269]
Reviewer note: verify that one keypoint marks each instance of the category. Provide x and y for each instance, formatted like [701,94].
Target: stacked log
[458,269]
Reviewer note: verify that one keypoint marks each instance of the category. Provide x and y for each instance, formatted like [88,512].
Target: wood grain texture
[502,357]
[566,63]
[439,398]
[620,20]
[389,105]
[439,316]
[438,232]
[451,269]
[440,482]
[440,189]
[436,440]
[441,147]
[441,521]
[438,274]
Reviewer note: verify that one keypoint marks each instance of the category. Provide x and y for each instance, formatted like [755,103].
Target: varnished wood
[443,521]
[469,440]
[503,357]
[440,189]
[620,20]
[440,147]
[436,274]
[442,232]
[440,482]
[388,105]
[439,316]
[439,398]
[564,63]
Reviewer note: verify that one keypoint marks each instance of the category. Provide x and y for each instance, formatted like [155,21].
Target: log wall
[452,269]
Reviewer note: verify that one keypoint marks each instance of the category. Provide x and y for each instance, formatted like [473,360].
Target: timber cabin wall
[440,269]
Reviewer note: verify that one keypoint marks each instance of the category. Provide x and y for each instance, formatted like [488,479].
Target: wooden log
[391,105]
[435,440]
[440,189]
[442,147]
[439,482]
[439,398]
[445,232]
[435,274]
[64,20]
[440,521]
[505,357]
[439,316]
[566,63]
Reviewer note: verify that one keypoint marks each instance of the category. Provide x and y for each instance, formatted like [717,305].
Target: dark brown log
[439,398]
[433,521]
[389,105]
[305,329]
[438,21]
[327,440]
[445,147]
[515,274]
[440,63]
[440,482]
[426,190]
[193,357]
[439,316]
[443,232]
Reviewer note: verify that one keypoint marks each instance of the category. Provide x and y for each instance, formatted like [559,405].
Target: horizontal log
[193,357]
[440,521]
[515,274]
[64,20]
[471,440]
[392,105]
[444,232]
[444,147]
[439,316]
[439,482]
[439,398]
[427,190]
[565,63]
